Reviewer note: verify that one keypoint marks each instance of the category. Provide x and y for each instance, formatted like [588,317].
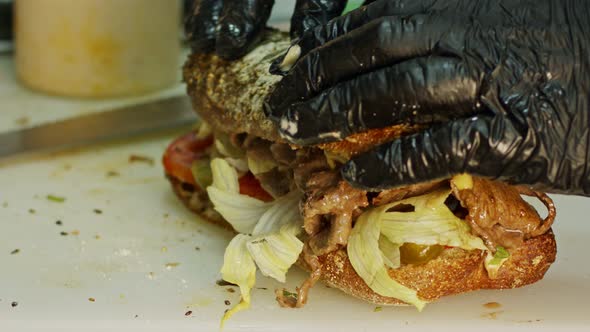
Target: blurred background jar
[97,48]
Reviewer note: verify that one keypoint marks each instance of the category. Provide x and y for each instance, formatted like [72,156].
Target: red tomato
[181,153]
[249,185]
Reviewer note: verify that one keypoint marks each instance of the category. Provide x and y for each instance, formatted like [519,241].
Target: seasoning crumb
[169,266]
[91,299]
[188,313]
[197,248]
[111,174]
[75,232]
[32,211]
[164,249]
[63,233]
[378,309]
[55,198]
[492,305]
[142,159]
[15,251]
[59,223]
[97,211]
[222,282]
[262,288]
[14,304]
[22,121]
[491,315]
[97,237]
[136,316]
[231,290]
[227,302]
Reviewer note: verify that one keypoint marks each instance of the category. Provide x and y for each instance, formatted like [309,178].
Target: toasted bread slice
[229,96]
[454,271]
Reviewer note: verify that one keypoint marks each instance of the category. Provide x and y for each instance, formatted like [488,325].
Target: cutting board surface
[92,241]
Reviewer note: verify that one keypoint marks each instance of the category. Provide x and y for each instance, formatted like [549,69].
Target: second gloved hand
[231,28]
[501,87]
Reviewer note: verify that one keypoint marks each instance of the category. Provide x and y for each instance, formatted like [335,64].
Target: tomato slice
[183,151]
[249,185]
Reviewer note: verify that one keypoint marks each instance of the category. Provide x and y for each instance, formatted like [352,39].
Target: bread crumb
[491,315]
[537,260]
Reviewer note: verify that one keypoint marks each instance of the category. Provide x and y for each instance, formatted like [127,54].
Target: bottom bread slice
[454,271]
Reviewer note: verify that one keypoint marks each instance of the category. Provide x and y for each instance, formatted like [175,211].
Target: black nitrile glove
[231,28]
[502,87]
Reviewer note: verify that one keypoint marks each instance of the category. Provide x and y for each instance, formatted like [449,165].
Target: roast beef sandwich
[288,205]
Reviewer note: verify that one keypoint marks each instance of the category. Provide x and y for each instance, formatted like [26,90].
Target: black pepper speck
[14,304]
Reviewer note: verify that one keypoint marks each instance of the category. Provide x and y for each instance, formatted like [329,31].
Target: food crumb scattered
[55,198]
[262,288]
[227,302]
[222,282]
[63,233]
[188,313]
[59,223]
[22,121]
[492,305]
[164,249]
[97,211]
[14,304]
[378,309]
[75,232]
[15,251]
[143,159]
[91,299]
[4,204]
[231,290]
[169,266]
[197,248]
[491,315]
[111,174]
[166,215]
[97,237]
[136,316]
[32,211]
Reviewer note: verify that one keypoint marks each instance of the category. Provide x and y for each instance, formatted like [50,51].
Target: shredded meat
[302,292]
[276,182]
[308,161]
[283,154]
[328,213]
[499,215]
[397,194]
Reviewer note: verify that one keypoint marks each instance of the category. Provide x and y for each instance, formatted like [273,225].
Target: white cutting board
[138,259]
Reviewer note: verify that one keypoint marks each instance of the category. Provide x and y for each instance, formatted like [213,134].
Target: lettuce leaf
[238,268]
[430,223]
[241,211]
[268,230]
[367,259]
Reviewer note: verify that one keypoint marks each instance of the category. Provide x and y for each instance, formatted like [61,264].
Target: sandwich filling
[289,203]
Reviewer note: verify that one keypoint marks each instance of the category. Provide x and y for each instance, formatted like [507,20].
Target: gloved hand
[232,27]
[501,88]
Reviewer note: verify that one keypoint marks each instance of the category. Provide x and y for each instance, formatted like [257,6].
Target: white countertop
[122,257]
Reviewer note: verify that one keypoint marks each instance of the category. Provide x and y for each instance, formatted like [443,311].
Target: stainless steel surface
[161,115]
